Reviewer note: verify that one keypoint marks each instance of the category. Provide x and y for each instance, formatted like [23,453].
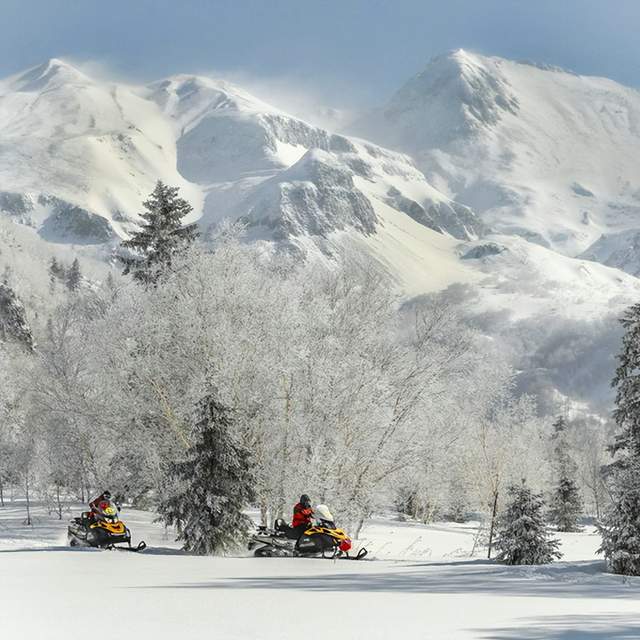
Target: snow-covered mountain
[78,155]
[536,151]
[500,173]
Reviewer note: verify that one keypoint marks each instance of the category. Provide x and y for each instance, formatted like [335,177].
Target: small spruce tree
[566,503]
[74,276]
[522,534]
[212,485]
[161,236]
[620,526]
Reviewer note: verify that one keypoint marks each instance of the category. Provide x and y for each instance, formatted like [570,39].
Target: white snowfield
[420,583]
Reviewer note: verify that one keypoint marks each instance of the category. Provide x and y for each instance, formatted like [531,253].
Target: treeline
[329,382]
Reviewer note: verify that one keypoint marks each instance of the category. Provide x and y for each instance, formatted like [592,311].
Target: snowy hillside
[536,151]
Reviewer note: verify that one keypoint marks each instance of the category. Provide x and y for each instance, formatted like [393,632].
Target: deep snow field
[420,582]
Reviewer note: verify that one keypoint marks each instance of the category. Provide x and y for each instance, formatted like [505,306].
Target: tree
[566,503]
[627,381]
[214,485]
[160,237]
[620,529]
[523,537]
[74,276]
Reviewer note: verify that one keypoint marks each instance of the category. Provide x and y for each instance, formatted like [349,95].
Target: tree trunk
[493,521]
[58,502]
[26,486]
[1,493]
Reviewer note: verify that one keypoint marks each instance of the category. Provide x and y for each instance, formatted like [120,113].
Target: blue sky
[345,52]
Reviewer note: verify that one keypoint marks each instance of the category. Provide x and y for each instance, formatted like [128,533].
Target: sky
[344,53]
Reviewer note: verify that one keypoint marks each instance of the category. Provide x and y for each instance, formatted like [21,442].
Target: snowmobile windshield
[324,516]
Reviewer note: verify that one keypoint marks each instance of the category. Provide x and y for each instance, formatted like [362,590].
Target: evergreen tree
[160,237]
[566,503]
[522,535]
[620,528]
[213,484]
[74,276]
[627,381]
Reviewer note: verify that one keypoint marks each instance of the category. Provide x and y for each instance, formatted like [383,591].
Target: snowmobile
[101,528]
[321,539]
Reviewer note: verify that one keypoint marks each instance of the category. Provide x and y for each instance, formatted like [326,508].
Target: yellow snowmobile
[101,528]
[321,539]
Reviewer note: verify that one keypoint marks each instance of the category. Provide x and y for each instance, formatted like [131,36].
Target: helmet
[106,494]
[305,501]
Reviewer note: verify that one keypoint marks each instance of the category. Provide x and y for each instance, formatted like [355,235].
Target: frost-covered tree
[627,383]
[214,483]
[566,502]
[161,236]
[73,276]
[13,319]
[522,534]
[620,528]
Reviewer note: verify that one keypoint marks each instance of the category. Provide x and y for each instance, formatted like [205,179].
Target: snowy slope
[432,588]
[536,151]
[81,153]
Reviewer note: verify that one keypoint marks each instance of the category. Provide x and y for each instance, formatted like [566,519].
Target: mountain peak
[53,72]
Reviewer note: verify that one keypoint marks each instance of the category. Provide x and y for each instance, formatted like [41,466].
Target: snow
[538,152]
[420,583]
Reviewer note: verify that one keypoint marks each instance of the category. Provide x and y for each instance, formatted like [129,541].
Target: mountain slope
[81,153]
[536,151]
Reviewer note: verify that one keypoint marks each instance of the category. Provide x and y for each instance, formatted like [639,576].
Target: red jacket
[301,515]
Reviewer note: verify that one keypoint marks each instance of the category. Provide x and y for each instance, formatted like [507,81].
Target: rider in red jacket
[302,513]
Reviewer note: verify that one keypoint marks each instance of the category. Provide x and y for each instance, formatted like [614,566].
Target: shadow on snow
[561,580]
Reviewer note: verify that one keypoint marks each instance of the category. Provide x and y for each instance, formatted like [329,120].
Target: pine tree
[620,526]
[627,381]
[523,537]
[213,485]
[74,276]
[160,237]
[620,529]
[566,503]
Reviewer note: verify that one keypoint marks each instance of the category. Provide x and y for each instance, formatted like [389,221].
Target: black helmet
[106,494]
[305,501]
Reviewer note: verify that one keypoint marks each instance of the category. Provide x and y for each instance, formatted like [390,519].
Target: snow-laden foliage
[566,504]
[627,383]
[523,537]
[620,528]
[13,318]
[207,491]
[161,235]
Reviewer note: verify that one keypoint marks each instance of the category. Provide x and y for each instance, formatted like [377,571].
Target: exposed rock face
[13,320]
[68,223]
[314,197]
[483,251]
[620,250]
[444,217]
